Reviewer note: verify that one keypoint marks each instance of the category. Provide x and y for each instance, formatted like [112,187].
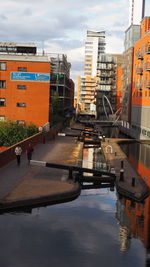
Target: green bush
[11,133]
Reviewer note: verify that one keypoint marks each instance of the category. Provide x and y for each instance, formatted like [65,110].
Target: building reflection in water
[124,229]
[134,218]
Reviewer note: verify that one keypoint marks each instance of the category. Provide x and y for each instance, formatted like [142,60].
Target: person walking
[18,151]
[29,152]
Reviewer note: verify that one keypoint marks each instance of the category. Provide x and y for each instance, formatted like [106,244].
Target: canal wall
[128,181]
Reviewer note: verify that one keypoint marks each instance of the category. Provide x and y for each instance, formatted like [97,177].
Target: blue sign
[30,76]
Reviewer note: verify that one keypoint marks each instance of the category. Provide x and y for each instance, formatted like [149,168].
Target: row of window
[87,73]
[104,66]
[88,60]
[137,94]
[87,69]
[141,51]
[3,103]
[140,130]
[104,87]
[3,66]
[2,118]
[88,52]
[3,85]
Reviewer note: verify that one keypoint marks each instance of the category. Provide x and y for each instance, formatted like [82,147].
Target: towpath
[25,183]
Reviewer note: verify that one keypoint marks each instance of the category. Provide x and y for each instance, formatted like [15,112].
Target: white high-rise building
[135,11]
[94,46]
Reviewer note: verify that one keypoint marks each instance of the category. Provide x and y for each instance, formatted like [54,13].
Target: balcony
[101,88]
[147,49]
[106,68]
[138,86]
[84,90]
[88,85]
[85,93]
[107,74]
[147,84]
[147,66]
[106,83]
[139,71]
[87,98]
[86,81]
[139,55]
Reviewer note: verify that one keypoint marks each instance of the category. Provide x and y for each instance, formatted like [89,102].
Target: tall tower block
[136,11]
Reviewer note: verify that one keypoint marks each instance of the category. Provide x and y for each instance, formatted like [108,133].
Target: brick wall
[7,155]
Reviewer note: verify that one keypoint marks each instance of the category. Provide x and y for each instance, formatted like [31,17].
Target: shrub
[12,133]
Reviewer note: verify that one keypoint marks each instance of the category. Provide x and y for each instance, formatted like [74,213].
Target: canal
[99,228]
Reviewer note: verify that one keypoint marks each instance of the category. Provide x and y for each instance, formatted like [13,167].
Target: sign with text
[17,48]
[30,76]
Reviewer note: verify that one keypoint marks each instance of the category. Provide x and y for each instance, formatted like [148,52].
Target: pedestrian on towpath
[18,151]
[29,152]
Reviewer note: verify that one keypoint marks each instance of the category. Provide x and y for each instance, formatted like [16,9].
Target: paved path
[26,181]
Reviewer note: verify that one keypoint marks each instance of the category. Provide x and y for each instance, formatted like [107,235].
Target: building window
[20,122]
[89,47]
[144,132]
[21,86]
[21,104]
[2,118]
[88,57]
[87,69]
[2,102]
[2,84]
[88,52]
[2,66]
[22,69]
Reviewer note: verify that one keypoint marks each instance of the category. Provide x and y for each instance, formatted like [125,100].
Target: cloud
[62,24]
[114,45]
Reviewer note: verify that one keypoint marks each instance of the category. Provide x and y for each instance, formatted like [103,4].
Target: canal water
[99,228]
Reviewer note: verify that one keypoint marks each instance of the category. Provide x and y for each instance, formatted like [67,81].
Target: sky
[60,26]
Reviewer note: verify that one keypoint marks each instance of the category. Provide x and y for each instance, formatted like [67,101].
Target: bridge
[106,123]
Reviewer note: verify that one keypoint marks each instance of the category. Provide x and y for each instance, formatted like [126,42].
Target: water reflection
[139,213]
[139,156]
[99,228]
[134,220]
[84,232]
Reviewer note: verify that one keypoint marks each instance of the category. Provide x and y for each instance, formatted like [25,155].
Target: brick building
[25,84]
[140,124]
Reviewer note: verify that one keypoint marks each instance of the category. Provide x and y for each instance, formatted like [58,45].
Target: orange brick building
[25,88]
[141,84]
[119,87]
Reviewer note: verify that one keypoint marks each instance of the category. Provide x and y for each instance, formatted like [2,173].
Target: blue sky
[61,25]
